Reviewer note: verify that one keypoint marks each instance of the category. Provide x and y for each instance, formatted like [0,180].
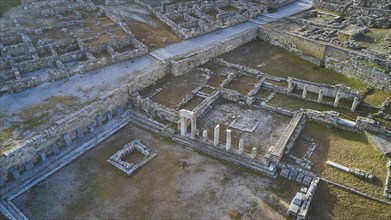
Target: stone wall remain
[28,152]
[182,65]
[347,62]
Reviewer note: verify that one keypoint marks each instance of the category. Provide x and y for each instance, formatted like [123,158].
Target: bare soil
[177,184]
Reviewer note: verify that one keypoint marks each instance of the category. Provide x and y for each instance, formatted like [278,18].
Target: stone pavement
[104,79]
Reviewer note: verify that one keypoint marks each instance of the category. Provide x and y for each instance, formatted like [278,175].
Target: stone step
[258,22]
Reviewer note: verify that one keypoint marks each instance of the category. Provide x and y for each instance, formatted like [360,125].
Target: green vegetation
[5,5]
[349,149]
[376,39]
[374,65]
[385,122]
[6,134]
[376,97]
[179,58]
[333,203]
[327,12]
[278,62]
[39,114]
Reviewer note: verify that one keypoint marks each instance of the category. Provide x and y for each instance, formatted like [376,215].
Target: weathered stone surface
[29,165]
[99,120]
[109,115]
[79,132]
[42,155]
[55,148]
[67,138]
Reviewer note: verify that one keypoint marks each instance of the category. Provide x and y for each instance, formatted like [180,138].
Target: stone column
[183,126]
[304,95]
[193,121]
[253,152]
[205,135]
[250,100]
[216,135]
[336,101]
[290,85]
[241,146]
[320,97]
[355,104]
[228,141]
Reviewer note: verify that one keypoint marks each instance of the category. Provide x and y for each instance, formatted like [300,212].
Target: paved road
[88,86]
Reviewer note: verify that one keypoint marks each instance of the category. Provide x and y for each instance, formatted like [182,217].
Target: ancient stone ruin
[281,88]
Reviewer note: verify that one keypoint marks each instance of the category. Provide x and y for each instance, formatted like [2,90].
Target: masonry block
[79,132]
[42,155]
[109,115]
[55,148]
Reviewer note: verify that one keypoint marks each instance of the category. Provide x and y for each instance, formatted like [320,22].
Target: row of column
[355,103]
[55,148]
[228,142]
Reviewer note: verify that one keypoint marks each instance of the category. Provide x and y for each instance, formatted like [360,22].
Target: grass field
[5,5]
[353,150]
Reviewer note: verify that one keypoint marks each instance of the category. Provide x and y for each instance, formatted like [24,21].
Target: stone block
[2,181]
[205,135]
[241,146]
[129,105]
[67,138]
[99,120]
[15,172]
[109,115]
[307,180]
[300,177]
[29,165]
[285,172]
[55,148]
[79,132]
[42,155]
[253,154]
[293,174]
[91,127]
[119,110]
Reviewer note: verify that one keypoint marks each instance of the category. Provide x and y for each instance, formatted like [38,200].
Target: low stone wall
[345,61]
[65,130]
[287,139]
[351,10]
[155,109]
[182,65]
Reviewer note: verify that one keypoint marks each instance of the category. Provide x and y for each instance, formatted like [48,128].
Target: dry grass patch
[349,149]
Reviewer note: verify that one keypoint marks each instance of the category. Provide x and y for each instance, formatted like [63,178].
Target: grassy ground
[353,150]
[38,116]
[350,149]
[276,61]
[5,5]
[40,113]
[385,122]
[377,39]
[376,97]
[333,203]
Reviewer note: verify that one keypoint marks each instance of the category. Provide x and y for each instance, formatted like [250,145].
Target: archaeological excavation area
[222,109]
